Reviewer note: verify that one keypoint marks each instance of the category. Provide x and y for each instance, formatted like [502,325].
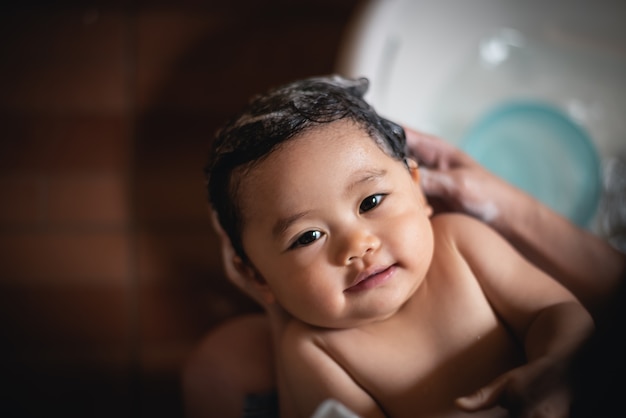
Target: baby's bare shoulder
[453,222]
[450,272]
[461,230]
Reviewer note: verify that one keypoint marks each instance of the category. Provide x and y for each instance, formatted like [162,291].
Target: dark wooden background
[109,271]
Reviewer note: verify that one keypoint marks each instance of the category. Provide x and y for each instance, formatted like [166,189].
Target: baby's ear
[253,283]
[415,175]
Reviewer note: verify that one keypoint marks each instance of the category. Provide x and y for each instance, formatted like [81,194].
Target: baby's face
[336,228]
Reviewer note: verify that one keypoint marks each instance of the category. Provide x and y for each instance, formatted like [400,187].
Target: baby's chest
[424,365]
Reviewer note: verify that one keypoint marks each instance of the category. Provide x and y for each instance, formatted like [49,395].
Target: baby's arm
[545,316]
[313,376]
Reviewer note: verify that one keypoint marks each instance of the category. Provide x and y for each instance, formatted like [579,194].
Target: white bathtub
[443,66]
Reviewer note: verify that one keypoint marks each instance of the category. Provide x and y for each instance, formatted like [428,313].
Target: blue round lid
[540,150]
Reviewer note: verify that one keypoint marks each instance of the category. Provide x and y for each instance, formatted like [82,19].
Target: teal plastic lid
[542,151]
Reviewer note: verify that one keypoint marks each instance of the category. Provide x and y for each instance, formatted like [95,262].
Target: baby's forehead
[329,147]
[326,139]
[309,153]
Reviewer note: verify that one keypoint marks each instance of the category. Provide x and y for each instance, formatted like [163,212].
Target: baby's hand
[538,389]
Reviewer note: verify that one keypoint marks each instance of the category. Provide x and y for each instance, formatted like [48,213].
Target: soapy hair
[277,116]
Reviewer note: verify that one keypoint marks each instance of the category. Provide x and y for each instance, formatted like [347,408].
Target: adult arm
[584,263]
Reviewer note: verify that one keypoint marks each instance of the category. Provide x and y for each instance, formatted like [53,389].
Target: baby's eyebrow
[283,224]
[365,176]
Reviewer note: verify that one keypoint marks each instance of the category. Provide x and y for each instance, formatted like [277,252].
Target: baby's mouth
[371,278]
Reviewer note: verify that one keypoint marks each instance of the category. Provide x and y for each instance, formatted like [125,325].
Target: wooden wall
[109,271]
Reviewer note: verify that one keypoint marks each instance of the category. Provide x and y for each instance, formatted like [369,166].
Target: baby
[392,311]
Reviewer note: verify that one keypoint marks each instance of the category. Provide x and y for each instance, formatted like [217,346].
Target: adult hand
[239,273]
[231,261]
[454,181]
[234,268]
[586,264]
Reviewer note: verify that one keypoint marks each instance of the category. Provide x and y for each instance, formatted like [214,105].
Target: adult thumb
[485,397]
[436,183]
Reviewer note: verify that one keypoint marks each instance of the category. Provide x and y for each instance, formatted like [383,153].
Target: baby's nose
[358,243]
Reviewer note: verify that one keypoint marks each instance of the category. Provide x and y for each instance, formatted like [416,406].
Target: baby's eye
[371,202]
[306,238]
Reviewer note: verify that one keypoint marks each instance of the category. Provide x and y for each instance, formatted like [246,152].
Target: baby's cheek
[415,236]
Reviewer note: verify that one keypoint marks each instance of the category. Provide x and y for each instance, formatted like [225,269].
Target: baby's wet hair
[277,116]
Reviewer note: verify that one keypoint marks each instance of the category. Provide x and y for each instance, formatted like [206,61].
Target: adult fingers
[438,183]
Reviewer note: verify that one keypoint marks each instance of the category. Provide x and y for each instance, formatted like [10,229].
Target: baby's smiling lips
[371,277]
